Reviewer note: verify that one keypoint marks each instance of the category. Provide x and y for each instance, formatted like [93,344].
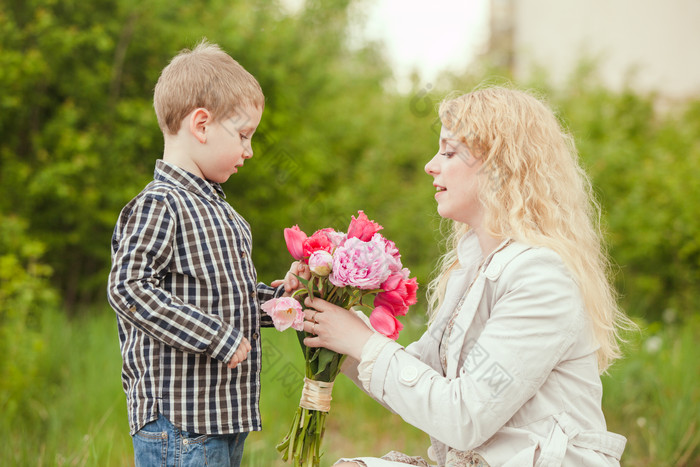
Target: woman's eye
[243,136]
[447,154]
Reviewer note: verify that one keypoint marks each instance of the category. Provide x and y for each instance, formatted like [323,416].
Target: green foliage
[645,165]
[80,136]
[25,300]
[79,139]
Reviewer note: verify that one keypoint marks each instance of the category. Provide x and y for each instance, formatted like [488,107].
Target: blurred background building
[645,44]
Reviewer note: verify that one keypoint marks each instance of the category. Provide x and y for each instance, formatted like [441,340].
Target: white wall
[660,39]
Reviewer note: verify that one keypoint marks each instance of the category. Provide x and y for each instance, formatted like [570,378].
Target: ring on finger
[313,317]
[313,328]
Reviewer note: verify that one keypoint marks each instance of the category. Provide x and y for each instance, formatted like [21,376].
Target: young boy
[182,281]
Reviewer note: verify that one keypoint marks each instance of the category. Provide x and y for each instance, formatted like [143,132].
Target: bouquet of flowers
[347,269]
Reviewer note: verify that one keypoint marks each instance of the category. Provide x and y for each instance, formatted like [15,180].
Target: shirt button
[243,254]
[254,294]
[132,308]
[255,336]
[230,216]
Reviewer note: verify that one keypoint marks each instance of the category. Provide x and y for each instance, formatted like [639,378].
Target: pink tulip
[362,227]
[411,290]
[285,312]
[392,301]
[398,293]
[295,238]
[384,322]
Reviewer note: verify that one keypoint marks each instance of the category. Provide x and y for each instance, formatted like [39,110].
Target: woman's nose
[431,167]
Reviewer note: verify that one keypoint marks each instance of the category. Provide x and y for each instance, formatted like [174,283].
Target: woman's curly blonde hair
[535,192]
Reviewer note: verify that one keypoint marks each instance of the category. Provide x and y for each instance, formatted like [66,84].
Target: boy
[182,281]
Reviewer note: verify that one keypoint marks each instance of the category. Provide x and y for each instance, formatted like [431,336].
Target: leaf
[302,280]
[325,358]
[366,309]
[315,354]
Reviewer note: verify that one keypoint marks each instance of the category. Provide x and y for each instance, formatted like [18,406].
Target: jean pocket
[194,451]
[150,448]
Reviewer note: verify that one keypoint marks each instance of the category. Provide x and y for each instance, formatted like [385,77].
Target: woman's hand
[290,281]
[335,328]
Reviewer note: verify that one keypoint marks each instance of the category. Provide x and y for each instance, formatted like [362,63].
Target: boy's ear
[199,120]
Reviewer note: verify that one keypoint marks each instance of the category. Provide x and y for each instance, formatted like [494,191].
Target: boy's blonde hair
[534,191]
[207,77]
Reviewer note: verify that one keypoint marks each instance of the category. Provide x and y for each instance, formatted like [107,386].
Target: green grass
[74,413]
[653,396]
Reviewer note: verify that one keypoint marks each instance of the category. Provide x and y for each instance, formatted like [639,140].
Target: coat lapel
[462,324]
[492,268]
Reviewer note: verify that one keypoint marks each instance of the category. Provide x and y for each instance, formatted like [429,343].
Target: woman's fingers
[321,305]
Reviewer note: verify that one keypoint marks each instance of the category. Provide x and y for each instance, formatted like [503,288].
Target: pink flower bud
[320,263]
[295,238]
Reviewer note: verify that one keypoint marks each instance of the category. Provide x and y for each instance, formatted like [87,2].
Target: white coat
[522,386]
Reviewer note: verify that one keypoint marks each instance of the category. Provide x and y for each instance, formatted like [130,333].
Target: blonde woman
[523,317]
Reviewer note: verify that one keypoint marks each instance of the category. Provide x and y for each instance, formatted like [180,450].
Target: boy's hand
[240,354]
[291,283]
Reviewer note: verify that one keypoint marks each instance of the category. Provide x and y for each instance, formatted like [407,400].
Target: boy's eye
[243,136]
[447,154]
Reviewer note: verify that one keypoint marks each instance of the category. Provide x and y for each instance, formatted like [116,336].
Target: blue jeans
[160,443]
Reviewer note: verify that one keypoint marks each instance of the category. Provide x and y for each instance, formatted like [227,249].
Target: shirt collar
[171,173]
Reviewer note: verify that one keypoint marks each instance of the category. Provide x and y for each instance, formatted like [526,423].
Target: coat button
[409,374]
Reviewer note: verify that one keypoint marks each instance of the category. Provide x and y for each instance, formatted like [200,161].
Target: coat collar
[469,253]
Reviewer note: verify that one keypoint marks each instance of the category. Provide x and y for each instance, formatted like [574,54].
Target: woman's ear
[200,118]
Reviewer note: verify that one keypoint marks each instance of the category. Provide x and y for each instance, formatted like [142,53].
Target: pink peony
[391,251]
[320,263]
[360,264]
[336,238]
[362,227]
[384,322]
[285,312]
[318,241]
[295,238]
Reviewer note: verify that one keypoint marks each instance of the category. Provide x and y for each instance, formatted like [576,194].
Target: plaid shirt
[184,289]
